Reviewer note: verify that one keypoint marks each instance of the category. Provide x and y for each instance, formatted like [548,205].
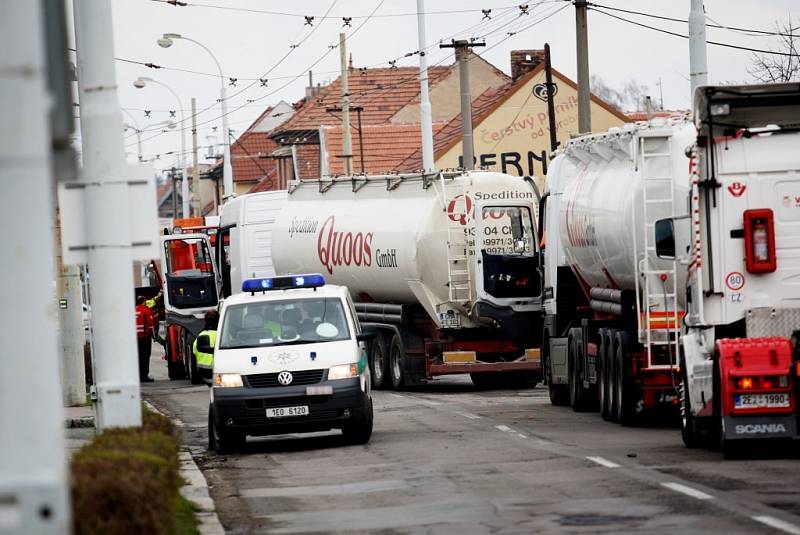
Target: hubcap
[396,363]
[378,363]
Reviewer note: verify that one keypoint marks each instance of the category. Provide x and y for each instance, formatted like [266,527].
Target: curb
[79,423]
[196,488]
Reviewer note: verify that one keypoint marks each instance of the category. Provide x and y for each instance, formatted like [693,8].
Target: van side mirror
[204,344]
[665,238]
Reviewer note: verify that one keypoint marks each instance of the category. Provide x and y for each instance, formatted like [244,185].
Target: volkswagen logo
[285,378]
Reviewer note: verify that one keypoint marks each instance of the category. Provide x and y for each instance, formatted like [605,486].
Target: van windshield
[285,322]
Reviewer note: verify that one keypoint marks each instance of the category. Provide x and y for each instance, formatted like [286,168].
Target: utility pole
[108,188]
[698,63]
[462,48]
[196,208]
[425,118]
[347,141]
[358,110]
[551,107]
[173,178]
[33,484]
[582,44]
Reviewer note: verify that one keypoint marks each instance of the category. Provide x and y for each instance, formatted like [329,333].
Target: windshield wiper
[295,342]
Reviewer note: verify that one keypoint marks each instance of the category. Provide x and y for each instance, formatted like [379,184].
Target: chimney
[524,61]
[312,90]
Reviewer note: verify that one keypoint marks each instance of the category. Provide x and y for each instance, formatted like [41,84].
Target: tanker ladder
[458,276]
[657,328]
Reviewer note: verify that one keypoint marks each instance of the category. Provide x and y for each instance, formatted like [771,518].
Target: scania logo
[755,429]
[285,378]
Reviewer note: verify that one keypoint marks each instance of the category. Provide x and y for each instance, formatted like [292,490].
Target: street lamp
[137,131]
[167,41]
[140,83]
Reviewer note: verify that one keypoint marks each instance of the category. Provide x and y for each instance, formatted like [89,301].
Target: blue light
[313,280]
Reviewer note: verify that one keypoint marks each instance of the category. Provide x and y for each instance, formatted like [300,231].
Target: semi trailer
[442,267]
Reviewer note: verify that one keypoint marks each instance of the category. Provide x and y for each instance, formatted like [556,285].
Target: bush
[127,481]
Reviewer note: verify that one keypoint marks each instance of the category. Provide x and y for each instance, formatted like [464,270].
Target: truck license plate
[761,401]
[285,412]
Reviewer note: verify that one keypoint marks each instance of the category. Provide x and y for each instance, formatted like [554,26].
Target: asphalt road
[451,459]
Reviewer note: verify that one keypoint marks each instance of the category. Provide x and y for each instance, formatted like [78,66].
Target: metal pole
[466,109]
[551,105]
[196,208]
[108,221]
[33,486]
[174,193]
[698,63]
[582,44]
[347,140]
[425,118]
[359,109]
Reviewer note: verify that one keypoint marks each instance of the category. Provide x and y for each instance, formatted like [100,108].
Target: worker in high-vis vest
[205,361]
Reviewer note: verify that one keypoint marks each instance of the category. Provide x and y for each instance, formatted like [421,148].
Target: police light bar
[311,280]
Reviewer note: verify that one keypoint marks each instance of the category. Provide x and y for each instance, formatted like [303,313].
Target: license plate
[761,401]
[286,412]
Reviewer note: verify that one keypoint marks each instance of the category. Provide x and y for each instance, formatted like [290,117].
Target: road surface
[448,458]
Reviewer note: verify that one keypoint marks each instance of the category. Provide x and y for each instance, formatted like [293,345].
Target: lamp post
[140,83]
[227,171]
[136,130]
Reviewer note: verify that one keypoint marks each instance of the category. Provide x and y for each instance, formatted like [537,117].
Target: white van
[288,358]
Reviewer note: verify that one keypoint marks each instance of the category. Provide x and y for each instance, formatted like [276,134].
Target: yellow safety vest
[205,360]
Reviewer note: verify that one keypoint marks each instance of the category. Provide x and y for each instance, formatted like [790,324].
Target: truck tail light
[759,241]
[761,383]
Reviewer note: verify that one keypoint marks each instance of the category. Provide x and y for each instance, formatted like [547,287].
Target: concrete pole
[347,140]
[582,44]
[108,222]
[196,208]
[425,119]
[698,63]
[33,484]
[70,322]
[468,151]
[227,169]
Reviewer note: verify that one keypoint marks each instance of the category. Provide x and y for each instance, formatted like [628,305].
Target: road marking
[689,491]
[327,490]
[469,415]
[520,435]
[603,462]
[776,523]
[503,428]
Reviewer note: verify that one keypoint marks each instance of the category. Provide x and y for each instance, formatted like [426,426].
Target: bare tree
[630,97]
[783,63]
[607,93]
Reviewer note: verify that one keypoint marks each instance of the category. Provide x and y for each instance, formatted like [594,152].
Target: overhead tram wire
[715,43]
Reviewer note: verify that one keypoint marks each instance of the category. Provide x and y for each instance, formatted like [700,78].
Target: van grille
[267,380]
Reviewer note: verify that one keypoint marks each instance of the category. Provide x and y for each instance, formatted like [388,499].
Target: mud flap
[759,426]
[559,369]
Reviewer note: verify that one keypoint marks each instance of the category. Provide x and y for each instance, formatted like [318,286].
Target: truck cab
[288,357]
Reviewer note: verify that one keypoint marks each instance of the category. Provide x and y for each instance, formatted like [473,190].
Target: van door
[191,279]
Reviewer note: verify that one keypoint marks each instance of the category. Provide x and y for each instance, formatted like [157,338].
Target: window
[507,230]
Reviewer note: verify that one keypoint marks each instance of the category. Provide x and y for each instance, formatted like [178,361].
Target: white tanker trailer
[405,247]
[612,308]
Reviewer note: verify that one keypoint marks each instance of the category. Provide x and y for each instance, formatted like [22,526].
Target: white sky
[249,44]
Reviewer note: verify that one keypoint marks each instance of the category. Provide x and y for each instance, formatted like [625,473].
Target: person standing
[144,334]
[205,361]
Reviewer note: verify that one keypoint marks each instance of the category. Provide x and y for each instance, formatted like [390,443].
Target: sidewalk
[79,422]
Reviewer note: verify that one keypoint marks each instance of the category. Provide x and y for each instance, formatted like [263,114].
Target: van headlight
[343,371]
[227,380]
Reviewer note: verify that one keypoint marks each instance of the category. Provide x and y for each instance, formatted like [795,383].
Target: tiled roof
[451,131]
[267,183]
[386,147]
[251,156]
[381,92]
[636,116]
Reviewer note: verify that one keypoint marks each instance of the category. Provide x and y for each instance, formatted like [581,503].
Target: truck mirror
[204,344]
[665,239]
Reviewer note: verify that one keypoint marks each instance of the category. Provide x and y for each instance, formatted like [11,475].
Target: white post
[698,64]
[347,140]
[424,99]
[196,208]
[73,338]
[33,487]
[107,219]
[227,170]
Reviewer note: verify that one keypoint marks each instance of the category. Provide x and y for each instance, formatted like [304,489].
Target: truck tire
[379,363]
[359,430]
[603,348]
[578,396]
[175,370]
[689,433]
[223,441]
[397,361]
[194,374]
[624,394]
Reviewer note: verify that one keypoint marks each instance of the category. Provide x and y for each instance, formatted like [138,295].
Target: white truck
[444,268]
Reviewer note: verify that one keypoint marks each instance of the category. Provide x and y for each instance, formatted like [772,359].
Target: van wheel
[397,360]
[379,363]
[359,430]
[223,441]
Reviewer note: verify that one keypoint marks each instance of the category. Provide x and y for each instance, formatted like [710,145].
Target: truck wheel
[194,374]
[602,374]
[397,360]
[577,394]
[223,441]
[359,430]
[689,433]
[624,393]
[379,363]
